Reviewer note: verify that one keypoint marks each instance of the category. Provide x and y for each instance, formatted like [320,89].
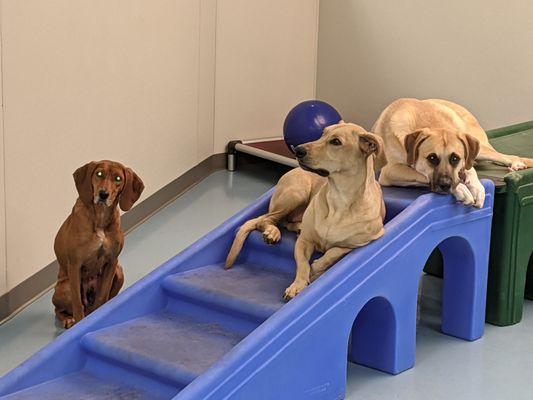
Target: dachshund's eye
[433,159]
[118,179]
[454,159]
[100,174]
[335,142]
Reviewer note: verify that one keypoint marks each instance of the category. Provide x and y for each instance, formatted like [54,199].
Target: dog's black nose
[103,195]
[445,183]
[445,187]
[300,152]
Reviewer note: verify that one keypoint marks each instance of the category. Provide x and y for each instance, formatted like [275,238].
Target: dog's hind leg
[294,191]
[294,226]
[515,163]
[63,303]
[107,280]
[283,204]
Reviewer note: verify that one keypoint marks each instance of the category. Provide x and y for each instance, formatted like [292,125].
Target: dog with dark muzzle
[435,143]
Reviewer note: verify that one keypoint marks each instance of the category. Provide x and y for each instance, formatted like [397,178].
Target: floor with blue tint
[496,367]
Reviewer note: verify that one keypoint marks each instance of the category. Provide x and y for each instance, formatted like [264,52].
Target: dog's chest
[333,230]
[104,246]
[100,236]
[341,229]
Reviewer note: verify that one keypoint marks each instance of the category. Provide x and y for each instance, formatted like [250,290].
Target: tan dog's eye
[433,159]
[335,142]
[118,179]
[100,174]
[454,159]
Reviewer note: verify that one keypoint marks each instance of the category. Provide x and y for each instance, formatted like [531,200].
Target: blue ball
[306,122]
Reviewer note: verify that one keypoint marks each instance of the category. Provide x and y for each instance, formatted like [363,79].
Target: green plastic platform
[510,268]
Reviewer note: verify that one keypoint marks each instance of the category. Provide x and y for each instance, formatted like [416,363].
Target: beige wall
[91,80]
[266,63]
[478,53]
[134,80]
[3,271]
[3,258]
[206,78]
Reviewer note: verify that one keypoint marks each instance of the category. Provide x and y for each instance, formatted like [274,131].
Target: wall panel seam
[215,63]
[199,83]
[3,142]
[317,22]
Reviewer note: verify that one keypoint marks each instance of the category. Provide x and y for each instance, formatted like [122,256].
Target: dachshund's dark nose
[300,152]
[103,195]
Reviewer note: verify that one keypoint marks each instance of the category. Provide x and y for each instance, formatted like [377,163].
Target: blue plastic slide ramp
[191,330]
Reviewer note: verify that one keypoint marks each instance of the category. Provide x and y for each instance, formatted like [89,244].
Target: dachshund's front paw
[68,322]
[295,289]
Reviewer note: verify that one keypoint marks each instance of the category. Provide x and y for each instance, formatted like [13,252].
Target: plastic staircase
[191,330]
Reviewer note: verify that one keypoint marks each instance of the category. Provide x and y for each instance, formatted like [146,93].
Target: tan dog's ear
[471,145]
[412,142]
[83,180]
[370,143]
[133,188]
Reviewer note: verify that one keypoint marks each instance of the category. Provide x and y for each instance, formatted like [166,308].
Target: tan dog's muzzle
[302,155]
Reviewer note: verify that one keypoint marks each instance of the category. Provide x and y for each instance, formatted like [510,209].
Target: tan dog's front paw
[295,289]
[517,165]
[462,194]
[272,234]
[478,192]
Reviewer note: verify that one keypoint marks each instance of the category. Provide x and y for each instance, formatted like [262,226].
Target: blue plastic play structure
[191,330]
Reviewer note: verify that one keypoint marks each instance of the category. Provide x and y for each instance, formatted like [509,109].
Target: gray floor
[496,367]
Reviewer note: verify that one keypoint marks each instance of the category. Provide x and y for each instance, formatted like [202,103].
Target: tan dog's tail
[240,238]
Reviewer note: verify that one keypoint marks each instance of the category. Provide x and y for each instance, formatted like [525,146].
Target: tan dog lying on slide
[89,241]
[336,191]
[435,142]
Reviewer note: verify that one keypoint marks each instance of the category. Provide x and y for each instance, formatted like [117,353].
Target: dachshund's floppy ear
[83,180]
[372,144]
[412,142]
[133,187]
[471,145]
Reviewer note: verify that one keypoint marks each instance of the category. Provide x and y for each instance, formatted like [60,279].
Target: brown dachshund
[89,241]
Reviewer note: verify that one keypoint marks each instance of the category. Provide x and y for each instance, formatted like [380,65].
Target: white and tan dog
[336,191]
[435,142]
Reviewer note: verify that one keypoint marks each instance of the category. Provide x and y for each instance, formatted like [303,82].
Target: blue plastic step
[284,247]
[172,347]
[246,289]
[82,385]
[279,255]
